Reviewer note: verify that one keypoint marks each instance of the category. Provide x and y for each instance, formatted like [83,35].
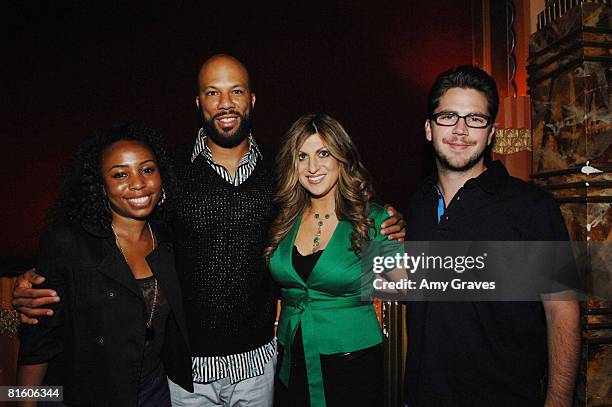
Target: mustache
[455,139]
[225,113]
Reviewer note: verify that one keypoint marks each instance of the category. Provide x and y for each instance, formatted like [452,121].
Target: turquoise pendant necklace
[316,242]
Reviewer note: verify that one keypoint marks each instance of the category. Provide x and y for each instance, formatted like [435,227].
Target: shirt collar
[489,181]
[200,147]
[493,179]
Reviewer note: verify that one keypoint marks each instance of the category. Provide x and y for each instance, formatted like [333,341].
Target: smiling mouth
[458,146]
[140,201]
[228,121]
[315,179]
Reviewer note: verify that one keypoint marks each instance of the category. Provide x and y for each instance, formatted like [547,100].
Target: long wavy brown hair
[354,189]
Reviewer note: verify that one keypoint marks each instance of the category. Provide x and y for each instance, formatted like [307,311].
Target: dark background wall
[72,68]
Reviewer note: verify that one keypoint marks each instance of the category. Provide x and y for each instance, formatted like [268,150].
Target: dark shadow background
[72,68]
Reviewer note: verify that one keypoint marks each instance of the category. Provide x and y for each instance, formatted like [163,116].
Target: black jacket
[98,329]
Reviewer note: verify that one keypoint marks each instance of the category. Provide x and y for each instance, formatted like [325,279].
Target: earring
[163,198]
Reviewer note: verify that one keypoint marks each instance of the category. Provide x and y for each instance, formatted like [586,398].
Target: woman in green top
[330,349]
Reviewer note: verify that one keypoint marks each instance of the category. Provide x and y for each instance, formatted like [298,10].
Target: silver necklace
[150,331]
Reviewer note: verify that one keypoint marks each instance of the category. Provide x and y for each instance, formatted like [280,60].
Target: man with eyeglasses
[483,353]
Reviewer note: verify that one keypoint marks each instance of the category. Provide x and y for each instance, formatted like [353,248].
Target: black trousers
[354,379]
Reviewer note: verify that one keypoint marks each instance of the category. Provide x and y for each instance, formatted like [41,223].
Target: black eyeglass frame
[435,116]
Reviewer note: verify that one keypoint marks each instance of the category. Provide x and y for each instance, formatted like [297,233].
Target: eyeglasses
[473,120]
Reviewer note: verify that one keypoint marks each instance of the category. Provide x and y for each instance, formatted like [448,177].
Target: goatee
[223,140]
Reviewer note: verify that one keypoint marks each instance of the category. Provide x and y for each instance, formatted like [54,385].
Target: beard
[222,139]
[446,163]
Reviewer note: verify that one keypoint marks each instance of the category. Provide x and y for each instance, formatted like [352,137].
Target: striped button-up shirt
[245,166]
[236,367]
[241,366]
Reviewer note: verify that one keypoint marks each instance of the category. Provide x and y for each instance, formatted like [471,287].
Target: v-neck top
[304,264]
[151,361]
[327,305]
[223,228]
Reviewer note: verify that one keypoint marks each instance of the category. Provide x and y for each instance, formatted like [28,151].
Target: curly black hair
[81,198]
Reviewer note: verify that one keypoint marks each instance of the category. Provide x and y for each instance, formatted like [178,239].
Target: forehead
[126,151]
[463,101]
[312,143]
[223,72]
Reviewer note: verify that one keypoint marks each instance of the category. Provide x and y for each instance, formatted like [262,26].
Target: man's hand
[27,300]
[394,227]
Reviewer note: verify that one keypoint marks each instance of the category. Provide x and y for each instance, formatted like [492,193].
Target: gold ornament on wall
[510,141]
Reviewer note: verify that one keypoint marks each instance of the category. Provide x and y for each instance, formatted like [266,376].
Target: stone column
[570,72]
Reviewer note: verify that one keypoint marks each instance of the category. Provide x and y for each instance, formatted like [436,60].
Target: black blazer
[98,328]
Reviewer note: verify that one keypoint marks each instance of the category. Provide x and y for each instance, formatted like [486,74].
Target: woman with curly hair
[119,328]
[330,351]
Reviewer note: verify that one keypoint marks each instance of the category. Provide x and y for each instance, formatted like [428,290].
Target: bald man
[221,232]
